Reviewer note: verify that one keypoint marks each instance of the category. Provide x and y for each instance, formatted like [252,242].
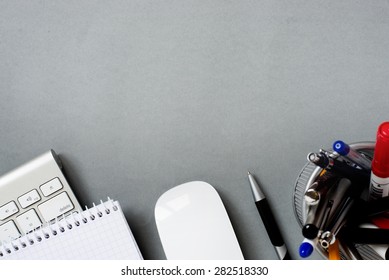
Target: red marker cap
[380,163]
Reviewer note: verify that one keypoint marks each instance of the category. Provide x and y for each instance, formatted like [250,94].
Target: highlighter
[379,180]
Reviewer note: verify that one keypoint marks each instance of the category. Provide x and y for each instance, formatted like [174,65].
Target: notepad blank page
[107,237]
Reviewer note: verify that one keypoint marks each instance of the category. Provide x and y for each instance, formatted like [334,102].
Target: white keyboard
[34,194]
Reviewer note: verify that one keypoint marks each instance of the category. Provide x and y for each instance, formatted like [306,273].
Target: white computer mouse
[193,224]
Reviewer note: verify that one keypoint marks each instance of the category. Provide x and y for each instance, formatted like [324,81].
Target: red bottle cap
[380,163]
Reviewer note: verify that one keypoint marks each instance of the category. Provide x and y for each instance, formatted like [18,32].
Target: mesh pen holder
[306,178]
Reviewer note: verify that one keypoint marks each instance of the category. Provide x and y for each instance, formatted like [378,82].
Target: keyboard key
[28,221]
[8,232]
[51,187]
[8,210]
[29,198]
[55,207]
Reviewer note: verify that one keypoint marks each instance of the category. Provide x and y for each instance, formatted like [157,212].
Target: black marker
[376,207]
[367,235]
[359,177]
[341,168]
[268,220]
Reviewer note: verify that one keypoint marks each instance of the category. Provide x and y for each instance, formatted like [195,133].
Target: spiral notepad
[98,233]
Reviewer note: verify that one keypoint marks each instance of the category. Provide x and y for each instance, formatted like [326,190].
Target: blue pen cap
[306,249]
[341,148]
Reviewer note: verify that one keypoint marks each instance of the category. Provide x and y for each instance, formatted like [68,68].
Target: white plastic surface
[193,224]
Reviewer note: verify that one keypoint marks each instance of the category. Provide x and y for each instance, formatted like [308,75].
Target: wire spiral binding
[60,226]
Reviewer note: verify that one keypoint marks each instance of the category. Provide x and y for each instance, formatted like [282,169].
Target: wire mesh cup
[306,178]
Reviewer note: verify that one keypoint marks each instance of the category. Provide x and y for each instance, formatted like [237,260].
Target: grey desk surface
[140,96]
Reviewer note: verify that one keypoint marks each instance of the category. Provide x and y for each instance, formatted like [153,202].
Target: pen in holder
[323,208]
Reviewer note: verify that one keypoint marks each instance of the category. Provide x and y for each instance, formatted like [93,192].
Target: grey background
[140,96]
